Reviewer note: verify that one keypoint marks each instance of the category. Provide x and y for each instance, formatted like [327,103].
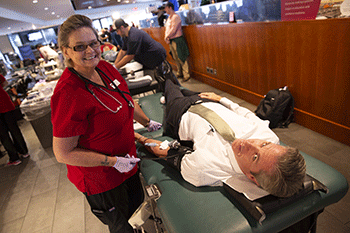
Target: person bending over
[255,152]
[140,46]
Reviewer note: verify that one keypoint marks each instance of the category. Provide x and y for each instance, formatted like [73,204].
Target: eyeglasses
[79,48]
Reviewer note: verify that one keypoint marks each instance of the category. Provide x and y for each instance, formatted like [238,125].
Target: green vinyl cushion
[186,208]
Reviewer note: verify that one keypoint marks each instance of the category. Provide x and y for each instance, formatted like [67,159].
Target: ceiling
[22,15]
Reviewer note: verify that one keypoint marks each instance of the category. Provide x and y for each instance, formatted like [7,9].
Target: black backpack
[277,107]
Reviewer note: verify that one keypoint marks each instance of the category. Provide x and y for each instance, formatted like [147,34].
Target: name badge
[116,83]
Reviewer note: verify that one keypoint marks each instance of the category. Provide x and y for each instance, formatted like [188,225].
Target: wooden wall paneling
[208,46]
[327,61]
[212,33]
[293,58]
[200,55]
[308,68]
[193,47]
[275,58]
[247,47]
[227,55]
[221,51]
[252,59]
[241,71]
[261,79]
[243,60]
[342,77]
[198,48]
[231,56]
[281,55]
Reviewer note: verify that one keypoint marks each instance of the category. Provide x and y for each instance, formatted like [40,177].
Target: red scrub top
[6,103]
[106,45]
[75,111]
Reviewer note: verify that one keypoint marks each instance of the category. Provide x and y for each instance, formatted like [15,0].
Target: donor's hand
[210,96]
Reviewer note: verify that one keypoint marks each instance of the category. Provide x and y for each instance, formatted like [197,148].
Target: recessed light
[35,1]
[89,7]
[9,28]
[53,13]
[46,8]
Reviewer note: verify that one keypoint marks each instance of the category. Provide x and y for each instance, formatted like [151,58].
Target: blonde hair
[73,23]
[287,178]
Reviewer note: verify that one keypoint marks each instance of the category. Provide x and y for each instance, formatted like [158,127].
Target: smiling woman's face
[87,59]
[254,155]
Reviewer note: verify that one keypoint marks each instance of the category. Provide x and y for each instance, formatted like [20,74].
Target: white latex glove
[125,164]
[153,126]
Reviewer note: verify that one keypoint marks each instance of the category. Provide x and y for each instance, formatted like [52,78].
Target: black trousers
[178,101]
[115,207]
[11,136]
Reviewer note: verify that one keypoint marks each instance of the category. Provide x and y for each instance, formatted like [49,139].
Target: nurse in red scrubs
[14,145]
[92,117]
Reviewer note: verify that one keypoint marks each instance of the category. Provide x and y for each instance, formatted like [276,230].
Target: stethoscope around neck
[114,84]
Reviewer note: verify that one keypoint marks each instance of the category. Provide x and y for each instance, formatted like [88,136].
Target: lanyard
[112,84]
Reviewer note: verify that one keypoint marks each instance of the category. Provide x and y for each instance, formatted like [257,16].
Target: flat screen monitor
[34,36]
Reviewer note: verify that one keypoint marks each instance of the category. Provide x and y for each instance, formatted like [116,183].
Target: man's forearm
[120,55]
[156,150]
[125,60]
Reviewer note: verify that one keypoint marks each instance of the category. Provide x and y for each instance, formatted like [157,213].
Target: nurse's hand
[153,126]
[125,164]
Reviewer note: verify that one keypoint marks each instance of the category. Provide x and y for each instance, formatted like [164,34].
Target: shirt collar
[233,160]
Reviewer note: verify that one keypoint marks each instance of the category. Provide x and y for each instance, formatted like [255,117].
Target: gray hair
[73,23]
[287,177]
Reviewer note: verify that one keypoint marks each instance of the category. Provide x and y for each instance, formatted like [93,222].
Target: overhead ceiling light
[9,28]
[89,7]
[52,13]
[116,15]
[46,8]
[35,1]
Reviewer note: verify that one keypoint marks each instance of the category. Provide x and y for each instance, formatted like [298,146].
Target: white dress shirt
[213,159]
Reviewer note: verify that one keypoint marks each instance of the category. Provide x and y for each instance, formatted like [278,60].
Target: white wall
[5,45]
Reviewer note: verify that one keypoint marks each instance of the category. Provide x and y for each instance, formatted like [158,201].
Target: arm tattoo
[105,163]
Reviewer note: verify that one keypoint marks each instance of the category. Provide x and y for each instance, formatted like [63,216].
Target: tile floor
[36,196]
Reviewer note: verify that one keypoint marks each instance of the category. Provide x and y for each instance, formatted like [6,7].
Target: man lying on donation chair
[240,144]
